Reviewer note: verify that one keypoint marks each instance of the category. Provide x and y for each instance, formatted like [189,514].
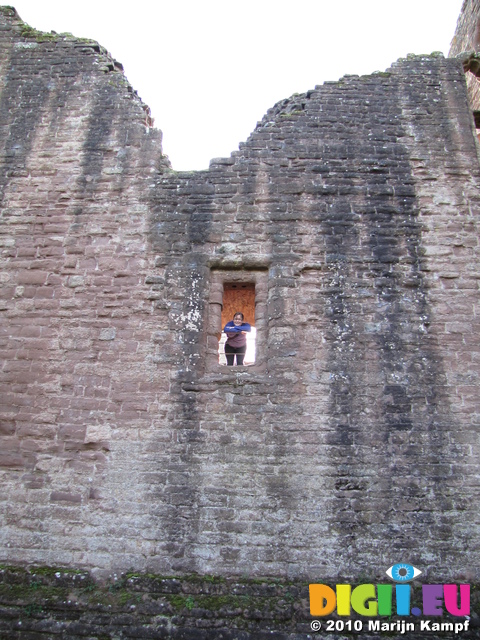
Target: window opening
[232,291]
[239,297]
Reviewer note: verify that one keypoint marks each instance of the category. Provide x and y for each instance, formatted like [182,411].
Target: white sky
[209,69]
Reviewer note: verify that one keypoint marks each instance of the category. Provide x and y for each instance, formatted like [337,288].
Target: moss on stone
[240,603]
[33,34]
[28,32]
[9,11]
[51,571]
[33,591]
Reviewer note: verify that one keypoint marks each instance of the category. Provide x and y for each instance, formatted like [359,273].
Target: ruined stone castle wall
[467,34]
[467,40]
[352,441]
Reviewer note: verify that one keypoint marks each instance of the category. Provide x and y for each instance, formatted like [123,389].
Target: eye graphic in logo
[402,572]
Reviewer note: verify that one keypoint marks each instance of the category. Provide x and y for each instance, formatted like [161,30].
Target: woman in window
[236,344]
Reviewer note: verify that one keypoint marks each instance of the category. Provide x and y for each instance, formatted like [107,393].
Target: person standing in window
[236,344]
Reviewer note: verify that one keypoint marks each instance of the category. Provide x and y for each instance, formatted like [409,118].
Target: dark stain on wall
[21,108]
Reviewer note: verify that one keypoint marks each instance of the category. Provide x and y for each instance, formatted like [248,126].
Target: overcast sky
[209,69]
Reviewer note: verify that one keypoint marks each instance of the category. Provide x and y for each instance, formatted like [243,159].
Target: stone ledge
[50,602]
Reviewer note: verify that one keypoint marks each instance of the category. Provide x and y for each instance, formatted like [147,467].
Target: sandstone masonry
[352,442]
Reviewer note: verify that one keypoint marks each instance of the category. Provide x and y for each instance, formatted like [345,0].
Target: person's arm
[245,327]
[230,328]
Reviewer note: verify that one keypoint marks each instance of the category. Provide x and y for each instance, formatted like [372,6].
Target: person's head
[238,318]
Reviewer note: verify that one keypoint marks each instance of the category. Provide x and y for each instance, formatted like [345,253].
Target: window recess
[233,291]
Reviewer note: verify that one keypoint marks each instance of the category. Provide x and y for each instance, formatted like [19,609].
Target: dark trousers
[231,352]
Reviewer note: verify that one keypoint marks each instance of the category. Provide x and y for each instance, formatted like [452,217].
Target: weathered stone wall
[467,33]
[77,158]
[467,40]
[352,443]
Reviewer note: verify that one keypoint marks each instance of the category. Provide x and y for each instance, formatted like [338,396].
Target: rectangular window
[239,297]
[231,292]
